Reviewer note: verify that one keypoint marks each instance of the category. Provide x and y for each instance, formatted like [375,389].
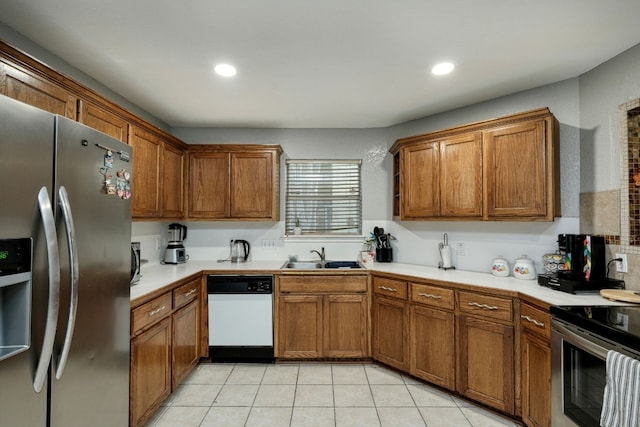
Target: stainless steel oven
[578,372]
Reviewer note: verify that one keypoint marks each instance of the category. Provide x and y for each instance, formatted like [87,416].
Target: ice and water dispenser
[15,296]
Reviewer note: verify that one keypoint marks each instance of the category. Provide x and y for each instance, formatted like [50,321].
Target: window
[324,197]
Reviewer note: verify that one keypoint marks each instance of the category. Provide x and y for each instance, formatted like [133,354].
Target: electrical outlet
[158,243]
[269,245]
[460,249]
[621,266]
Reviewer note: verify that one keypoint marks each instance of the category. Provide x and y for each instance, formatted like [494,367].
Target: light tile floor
[309,395]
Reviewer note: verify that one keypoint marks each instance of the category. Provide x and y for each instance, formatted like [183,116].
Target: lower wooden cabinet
[535,366]
[165,346]
[185,340]
[345,326]
[485,359]
[390,332]
[432,343]
[300,326]
[150,371]
[322,317]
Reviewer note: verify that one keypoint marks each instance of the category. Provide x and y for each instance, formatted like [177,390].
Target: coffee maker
[175,252]
[585,267]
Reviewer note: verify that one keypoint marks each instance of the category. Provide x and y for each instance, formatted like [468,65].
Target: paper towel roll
[445,254]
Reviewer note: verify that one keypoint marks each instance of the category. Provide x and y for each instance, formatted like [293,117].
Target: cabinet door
[208,195]
[186,335]
[433,346]
[420,181]
[36,91]
[390,332]
[147,161]
[461,176]
[486,362]
[345,326]
[536,380]
[103,121]
[300,326]
[150,371]
[252,185]
[515,170]
[173,182]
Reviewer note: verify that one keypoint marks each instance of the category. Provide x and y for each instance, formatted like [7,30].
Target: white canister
[523,268]
[500,267]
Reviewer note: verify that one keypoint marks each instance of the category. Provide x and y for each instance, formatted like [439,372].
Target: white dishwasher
[240,318]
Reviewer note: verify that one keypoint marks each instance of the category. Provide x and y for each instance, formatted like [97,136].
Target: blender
[175,252]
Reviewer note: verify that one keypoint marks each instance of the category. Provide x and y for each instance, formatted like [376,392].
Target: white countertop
[157,276]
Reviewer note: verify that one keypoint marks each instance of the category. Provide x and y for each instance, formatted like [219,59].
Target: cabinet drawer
[185,293]
[486,306]
[432,295]
[323,284]
[390,287]
[536,320]
[150,312]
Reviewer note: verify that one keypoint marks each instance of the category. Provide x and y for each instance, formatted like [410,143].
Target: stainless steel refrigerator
[65,235]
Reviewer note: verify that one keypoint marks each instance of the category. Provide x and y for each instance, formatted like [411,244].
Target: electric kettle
[239,250]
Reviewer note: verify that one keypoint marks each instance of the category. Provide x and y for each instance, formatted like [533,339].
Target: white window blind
[324,197]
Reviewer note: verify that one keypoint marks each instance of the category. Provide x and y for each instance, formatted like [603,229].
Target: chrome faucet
[320,254]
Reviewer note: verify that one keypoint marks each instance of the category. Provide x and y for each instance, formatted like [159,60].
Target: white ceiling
[323,63]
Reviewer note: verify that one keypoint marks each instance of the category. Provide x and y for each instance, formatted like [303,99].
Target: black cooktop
[620,324]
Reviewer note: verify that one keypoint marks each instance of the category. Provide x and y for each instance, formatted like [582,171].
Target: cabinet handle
[430,296]
[387,289]
[485,306]
[532,320]
[156,311]
[191,292]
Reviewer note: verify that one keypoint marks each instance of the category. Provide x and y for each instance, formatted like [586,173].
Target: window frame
[348,167]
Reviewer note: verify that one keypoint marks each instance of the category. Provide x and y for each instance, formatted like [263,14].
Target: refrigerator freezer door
[93,388]
[26,165]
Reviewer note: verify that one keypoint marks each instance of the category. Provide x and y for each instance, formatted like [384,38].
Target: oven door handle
[580,341]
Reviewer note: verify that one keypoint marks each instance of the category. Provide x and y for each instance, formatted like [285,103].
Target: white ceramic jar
[523,268]
[500,267]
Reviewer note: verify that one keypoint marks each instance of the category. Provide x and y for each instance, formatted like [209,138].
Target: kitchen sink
[313,265]
[342,264]
[302,265]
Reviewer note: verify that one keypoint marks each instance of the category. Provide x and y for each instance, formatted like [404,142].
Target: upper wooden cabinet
[158,171]
[501,169]
[234,182]
[103,120]
[173,167]
[252,185]
[208,185]
[516,171]
[159,158]
[147,161]
[420,169]
[35,90]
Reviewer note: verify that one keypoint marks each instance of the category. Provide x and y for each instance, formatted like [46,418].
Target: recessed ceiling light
[442,68]
[225,70]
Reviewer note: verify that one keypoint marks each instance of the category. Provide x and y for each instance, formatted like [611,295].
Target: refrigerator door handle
[53,257]
[74,275]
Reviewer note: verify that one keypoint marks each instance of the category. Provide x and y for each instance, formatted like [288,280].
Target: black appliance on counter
[585,267]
